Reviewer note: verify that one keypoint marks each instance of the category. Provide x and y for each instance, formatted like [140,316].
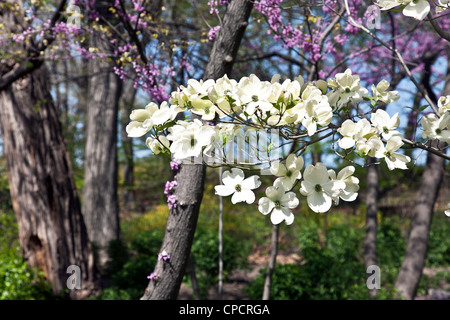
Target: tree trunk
[417,246]
[52,232]
[100,200]
[127,104]
[370,239]
[272,261]
[182,219]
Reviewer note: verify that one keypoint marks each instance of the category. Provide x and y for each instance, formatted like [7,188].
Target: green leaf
[424,107]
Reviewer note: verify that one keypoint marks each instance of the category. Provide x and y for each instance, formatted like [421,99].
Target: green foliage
[329,270]
[441,279]
[439,243]
[19,282]
[130,266]
[205,253]
[17,279]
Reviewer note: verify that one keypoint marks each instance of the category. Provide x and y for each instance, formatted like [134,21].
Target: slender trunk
[272,261]
[100,203]
[370,239]
[182,219]
[220,287]
[52,231]
[193,275]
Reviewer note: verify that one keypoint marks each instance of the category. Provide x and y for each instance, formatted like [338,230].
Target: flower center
[438,131]
[255,98]
[314,119]
[227,91]
[277,204]
[318,188]
[193,141]
[347,90]
[238,188]
[289,173]
[385,130]
[206,110]
[387,154]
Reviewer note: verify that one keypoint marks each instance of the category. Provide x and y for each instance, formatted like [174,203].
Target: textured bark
[417,247]
[100,200]
[370,239]
[416,250]
[127,104]
[272,261]
[52,232]
[370,253]
[182,220]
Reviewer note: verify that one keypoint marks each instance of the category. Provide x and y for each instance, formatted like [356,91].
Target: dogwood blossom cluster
[417,9]
[205,116]
[437,126]
[366,138]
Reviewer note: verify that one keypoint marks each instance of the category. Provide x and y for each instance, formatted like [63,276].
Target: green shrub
[17,280]
[206,256]
[333,270]
[439,243]
[130,266]
[20,282]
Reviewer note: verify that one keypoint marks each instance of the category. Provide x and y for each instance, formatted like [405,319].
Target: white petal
[277,216]
[243,196]
[334,187]
[346,172]
[135,129]
[233,177]
[417,10]
[346,143]
[224,191]
[265,205]
[277,169]
[252,182]
[319,202]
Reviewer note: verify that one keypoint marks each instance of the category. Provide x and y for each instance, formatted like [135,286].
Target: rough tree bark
[52,232]
[100,199]
[182,220]
[272,261]
[416,250]
[127,103]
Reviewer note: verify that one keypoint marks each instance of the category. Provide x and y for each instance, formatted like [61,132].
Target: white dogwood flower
[394,159]
[379,92]
[278,203]
[288,174]
[350,193]
[417,9]
[255,94]
[444,105]
[434,127]
[348,86]
[385,124]
[319,189]
[141,120]
[189,138]
[158,145]
[234,183]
